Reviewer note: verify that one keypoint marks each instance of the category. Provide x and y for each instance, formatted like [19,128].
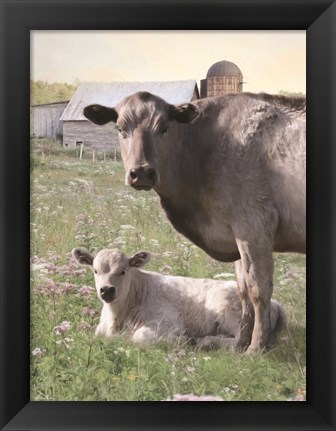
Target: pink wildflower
[87,311]
[62,327]
[84,326]
[85,291]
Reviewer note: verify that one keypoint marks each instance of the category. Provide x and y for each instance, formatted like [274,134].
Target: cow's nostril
[133,175]
[151,174]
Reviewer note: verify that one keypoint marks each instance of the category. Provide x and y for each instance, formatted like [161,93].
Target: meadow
[80,203]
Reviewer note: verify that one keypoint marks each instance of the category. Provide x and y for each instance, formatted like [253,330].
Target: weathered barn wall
[46,120]
[103,138]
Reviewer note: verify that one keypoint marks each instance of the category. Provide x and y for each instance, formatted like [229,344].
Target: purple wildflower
[62,327]
[85,291]
[87,311]
[83,326]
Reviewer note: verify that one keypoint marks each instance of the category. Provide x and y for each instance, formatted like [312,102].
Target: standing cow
[231,175]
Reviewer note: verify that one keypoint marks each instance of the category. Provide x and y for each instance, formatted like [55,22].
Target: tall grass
[80,203]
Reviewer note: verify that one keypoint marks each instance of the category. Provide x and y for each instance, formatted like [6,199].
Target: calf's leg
[145,335]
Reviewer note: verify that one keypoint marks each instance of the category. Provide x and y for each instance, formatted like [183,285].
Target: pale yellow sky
[269,60]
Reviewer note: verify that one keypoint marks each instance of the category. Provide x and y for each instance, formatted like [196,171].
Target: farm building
[46,120]
[223,77]
[78,130]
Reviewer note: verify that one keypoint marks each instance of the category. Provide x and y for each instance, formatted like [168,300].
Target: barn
[78,130]
[46,120]
[222,78]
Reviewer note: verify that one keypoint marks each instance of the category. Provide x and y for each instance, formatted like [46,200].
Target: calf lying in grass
[150,306]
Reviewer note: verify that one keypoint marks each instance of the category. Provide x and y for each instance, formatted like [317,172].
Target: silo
[223,77]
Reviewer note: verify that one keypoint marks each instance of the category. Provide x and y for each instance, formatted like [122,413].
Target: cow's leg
[243,338]
[257,267]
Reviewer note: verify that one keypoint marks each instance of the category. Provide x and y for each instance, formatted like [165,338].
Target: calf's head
[144,123]
[113,271]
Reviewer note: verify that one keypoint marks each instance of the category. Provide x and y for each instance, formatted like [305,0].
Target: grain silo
[223,77]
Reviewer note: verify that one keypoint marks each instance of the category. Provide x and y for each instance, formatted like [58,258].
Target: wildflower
[206,358]
[68,287]
[192,397]
[38,352]
[87,311]
[85,291]
[83,326]
[191,369]
[62,327]
[131,377]
[126,226]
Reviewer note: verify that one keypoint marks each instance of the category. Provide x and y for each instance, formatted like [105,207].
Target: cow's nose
[108,293]
[142,177]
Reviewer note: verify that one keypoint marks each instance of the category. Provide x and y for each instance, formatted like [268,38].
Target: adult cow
[231,174]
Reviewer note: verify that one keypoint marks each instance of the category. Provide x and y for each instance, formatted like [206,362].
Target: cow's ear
[100,115]
[83,257]
[185,113]
[139,259]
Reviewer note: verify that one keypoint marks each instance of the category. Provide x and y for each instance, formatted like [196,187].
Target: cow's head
[146,126]
[113,271]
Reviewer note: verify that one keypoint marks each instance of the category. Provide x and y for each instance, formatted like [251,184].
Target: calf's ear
[100,115]
[83,257]
[185,113]
[139,259]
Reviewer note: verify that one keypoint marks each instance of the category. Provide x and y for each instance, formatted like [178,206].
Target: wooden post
[104,156]
[81,151]
[93,156]
[115,154]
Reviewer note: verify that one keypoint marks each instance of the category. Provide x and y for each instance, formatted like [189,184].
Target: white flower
[38,352]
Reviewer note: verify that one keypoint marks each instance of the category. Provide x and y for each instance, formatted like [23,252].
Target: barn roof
[109,94]
[64,102]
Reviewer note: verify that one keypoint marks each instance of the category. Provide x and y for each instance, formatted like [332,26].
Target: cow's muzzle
[142,177]
[107,293]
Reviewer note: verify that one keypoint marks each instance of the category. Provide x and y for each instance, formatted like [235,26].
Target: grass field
[80,203]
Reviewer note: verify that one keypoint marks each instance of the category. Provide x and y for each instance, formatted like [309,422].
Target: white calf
[151,306]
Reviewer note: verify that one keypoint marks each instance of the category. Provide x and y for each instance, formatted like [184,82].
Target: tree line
[43,92]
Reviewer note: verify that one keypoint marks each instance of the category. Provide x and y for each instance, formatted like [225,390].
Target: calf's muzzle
[142,177]
[107,293]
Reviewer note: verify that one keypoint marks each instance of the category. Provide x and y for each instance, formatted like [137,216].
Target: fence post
[93,156]
[115,154]
[81,151]
[104,156]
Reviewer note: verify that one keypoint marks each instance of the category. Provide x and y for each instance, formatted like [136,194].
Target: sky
[270,61]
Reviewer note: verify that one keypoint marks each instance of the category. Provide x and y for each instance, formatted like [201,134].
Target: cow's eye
[95,271]
[123,272]
[164,131]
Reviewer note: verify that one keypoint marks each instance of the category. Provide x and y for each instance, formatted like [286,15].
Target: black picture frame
[18,18]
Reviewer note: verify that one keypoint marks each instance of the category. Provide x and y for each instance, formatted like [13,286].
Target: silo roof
[224,68]
[110,94]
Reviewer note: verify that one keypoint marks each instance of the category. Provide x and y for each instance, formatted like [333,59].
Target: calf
[151,306]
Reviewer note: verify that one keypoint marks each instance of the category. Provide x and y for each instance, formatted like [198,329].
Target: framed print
[58,197]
